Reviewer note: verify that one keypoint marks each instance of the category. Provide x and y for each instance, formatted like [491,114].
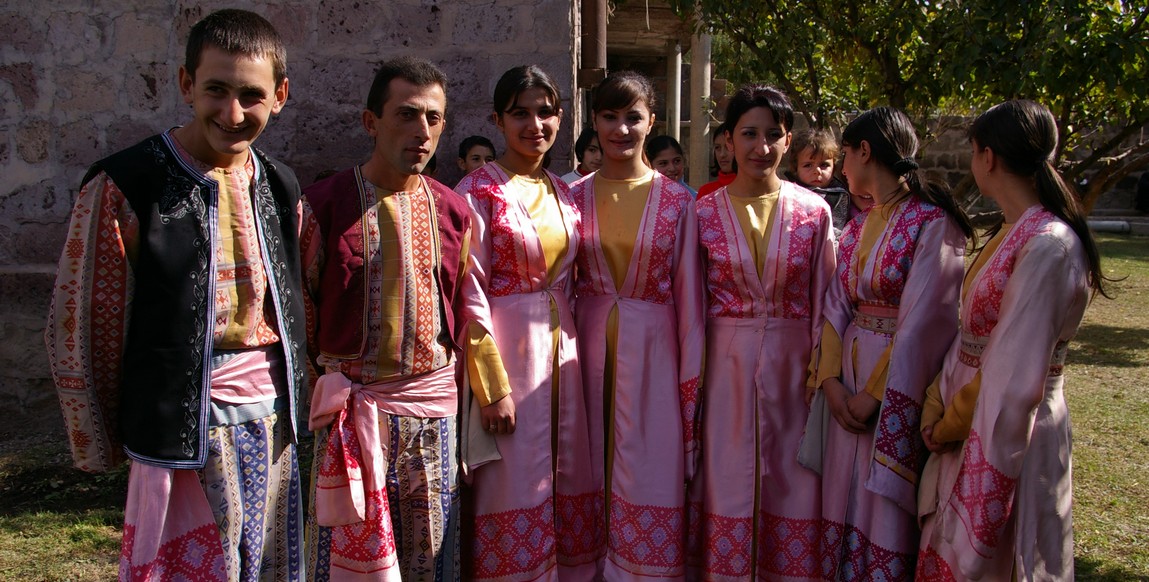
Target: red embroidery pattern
[716,237]
[418,229]
[900,244]
[195,555]
[898,442]
[847,554]
[984,299]
[932,568]
[724,545]
[90,300]
[658,241]
[805,218]
[578,527]
[512,543]
[984,495]
[847,249]
[509,274]
[788,547]
[583,195]
[367,546]
[646,538]
[688,402]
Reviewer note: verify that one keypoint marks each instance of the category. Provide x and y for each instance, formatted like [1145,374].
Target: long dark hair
[894,143]
[1023,135]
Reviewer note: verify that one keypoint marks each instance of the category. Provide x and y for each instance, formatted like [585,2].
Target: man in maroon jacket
[383,248]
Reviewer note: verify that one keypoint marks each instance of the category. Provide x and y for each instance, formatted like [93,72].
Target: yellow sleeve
[488,377]
[955,423]
[876,385]
[828,359]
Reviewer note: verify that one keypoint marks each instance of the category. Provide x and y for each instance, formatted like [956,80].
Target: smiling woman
[769,255]
[526,395]
[638,271]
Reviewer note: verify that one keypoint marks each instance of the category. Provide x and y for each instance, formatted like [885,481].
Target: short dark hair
[519,79]
[751,96]
[475,140]
[418,72]
[588,134]
[237,32]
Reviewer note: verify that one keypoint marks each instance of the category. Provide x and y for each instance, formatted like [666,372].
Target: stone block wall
[80,80]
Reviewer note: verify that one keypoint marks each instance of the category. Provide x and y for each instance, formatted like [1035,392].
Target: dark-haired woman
[891,314]
[1001,506]
[768,251]
[640,331]
[535,506]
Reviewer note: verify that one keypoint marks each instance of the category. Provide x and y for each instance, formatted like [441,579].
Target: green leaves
[1087,60]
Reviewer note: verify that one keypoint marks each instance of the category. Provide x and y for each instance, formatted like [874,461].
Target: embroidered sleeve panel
[89,318]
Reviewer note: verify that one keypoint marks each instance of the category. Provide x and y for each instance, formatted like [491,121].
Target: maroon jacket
[339,208]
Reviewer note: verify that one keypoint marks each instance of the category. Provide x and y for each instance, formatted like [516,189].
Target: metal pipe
[674,90]
[593,23]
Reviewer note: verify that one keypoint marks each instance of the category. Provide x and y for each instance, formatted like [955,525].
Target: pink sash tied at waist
[354,462]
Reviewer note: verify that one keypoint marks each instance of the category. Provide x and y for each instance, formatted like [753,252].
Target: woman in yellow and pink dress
[768,253]
[891,314]
[640,329]
[535,506]
[996,421]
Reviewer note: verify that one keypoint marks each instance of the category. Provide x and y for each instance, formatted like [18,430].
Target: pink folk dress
[894,306]
[1003,498]
[536,509]
[754,511]
[641,371]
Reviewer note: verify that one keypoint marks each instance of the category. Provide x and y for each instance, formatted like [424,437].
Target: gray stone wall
[80,80]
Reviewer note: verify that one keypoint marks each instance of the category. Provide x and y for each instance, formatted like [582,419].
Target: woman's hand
[499,416]
[862,406]
[836,397]
[936,447]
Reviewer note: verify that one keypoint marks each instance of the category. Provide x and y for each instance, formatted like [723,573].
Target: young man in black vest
[176,334]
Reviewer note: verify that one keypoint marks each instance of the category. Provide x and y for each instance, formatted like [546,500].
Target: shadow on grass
[1093,570]
[1107,345]
[1124,247]
[43,480]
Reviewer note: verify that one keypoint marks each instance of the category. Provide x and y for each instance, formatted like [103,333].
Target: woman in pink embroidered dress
[639,281]
[891,314]
[769,256]
[535,503]
[999,432]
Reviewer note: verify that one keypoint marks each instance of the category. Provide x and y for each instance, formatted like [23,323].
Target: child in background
[665,156]
[812,166]
[474,152]
[589,155]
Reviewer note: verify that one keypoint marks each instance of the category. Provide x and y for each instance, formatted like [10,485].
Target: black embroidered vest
[164,391]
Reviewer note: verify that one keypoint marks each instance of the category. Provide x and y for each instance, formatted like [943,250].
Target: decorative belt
[877,318]
[972,347]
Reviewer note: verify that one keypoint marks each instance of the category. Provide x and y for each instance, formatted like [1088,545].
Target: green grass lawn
[57,523]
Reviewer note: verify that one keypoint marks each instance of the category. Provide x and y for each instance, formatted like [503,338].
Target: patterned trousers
[423,495]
